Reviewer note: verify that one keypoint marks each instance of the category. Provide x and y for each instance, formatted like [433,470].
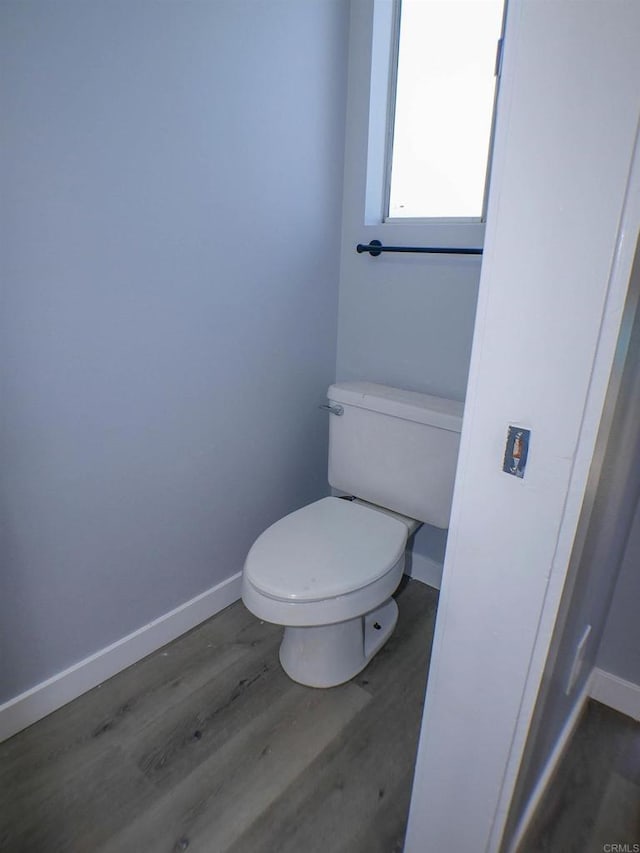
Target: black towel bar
[375,248]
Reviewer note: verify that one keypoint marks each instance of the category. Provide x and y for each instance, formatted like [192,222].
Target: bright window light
[443,107]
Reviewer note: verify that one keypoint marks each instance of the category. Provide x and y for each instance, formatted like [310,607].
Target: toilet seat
[326,550]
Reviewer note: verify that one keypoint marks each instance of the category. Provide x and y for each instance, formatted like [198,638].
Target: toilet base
[328,655]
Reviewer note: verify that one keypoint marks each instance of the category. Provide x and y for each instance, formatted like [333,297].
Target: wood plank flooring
[206,745]
[593,803]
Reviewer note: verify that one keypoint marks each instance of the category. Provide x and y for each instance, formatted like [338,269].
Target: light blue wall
[171,188]
[619,651]
[407,321]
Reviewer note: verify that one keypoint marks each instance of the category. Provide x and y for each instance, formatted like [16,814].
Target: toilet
[327,572]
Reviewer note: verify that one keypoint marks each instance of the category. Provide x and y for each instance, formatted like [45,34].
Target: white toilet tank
[397,449]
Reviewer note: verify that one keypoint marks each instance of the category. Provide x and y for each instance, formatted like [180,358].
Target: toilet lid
[328,548]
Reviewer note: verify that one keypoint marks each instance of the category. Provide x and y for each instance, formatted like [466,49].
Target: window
[443,111]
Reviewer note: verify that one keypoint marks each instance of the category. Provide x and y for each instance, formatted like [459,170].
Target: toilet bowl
[327,572]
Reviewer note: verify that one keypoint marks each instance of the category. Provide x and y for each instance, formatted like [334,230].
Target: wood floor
[593,803]
[206,745]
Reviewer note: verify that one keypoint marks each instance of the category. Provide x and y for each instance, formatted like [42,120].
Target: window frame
[386,29]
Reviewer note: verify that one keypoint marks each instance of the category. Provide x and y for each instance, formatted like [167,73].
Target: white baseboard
[49,695]
[424,569]
[551,766]
[621,695]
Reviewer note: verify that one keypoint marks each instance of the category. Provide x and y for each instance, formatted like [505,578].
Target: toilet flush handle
[335,409]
